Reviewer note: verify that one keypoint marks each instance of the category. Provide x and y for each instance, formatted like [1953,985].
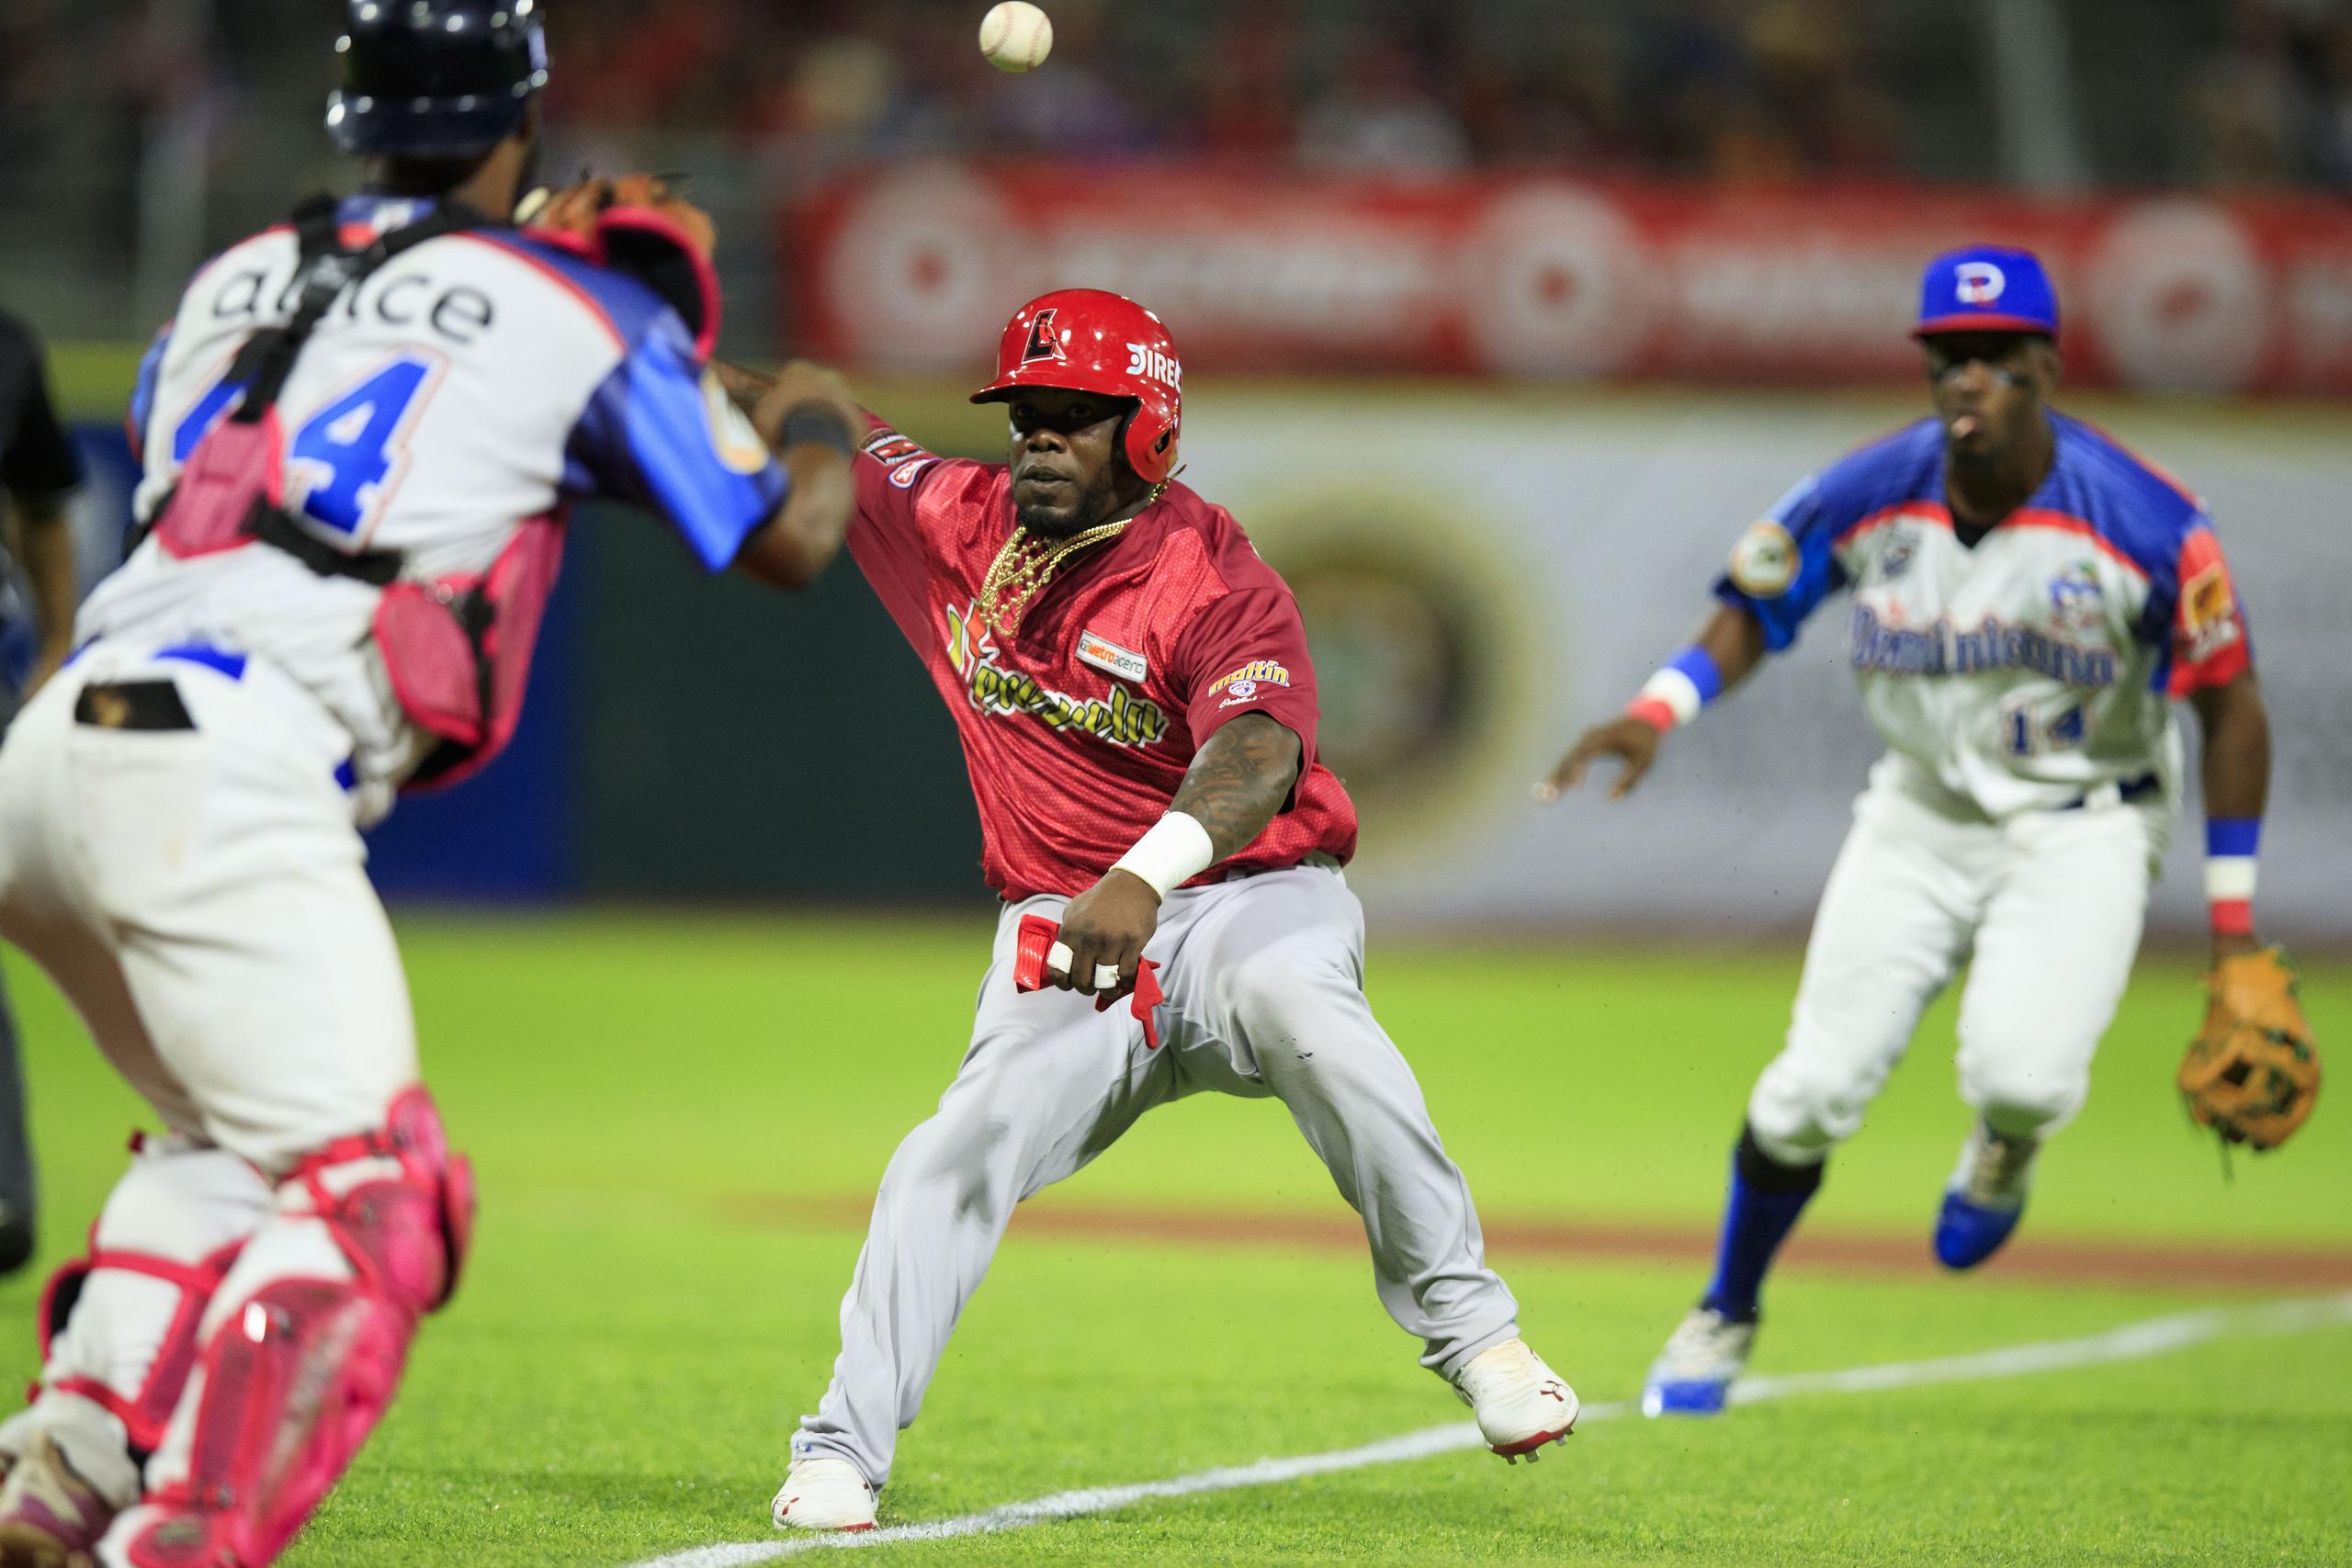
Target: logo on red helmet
[1148,359]
[1043,343]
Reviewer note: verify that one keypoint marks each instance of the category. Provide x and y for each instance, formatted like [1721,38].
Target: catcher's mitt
[637,224]
[2253,1071]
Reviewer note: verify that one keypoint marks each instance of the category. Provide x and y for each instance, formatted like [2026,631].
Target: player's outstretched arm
[1729,645]
[1239,778]
[2235,772]
[808,418]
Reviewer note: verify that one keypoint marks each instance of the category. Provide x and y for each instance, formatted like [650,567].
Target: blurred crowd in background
[110,107]
[2246,93]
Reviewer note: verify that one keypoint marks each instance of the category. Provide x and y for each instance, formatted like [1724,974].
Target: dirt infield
[2057,1260]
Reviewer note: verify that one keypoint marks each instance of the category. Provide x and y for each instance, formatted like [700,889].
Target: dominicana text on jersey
[2038,662]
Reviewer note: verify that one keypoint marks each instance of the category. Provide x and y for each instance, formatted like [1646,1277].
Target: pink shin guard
[144,1411]
[295,1377]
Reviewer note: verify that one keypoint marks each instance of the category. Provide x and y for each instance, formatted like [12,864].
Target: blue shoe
[1967,1234]
[1693,1374]
[1985,1199]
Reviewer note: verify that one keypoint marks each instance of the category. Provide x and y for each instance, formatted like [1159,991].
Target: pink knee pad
[293,1381]
[399,1203]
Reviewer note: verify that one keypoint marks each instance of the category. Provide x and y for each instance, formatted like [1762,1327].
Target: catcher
[2026,594]
[362,432]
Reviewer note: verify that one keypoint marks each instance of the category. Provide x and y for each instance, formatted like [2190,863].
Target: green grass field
[676,1117]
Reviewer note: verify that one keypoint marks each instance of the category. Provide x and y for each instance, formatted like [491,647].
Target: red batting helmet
[1087,340]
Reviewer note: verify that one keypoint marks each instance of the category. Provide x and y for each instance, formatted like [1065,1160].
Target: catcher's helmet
[1087,340]
[435,78]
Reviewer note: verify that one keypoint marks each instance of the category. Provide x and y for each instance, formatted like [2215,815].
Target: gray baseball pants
[1264,976]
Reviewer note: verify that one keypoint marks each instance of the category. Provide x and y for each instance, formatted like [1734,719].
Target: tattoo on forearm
[1238,780]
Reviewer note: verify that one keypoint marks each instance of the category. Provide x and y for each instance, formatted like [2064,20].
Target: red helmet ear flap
[1150,442]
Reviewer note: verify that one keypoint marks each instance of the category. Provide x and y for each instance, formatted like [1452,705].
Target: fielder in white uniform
[2027,599]
[361,434]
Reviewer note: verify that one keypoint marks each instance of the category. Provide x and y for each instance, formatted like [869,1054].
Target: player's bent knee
[1280,996]
[398,1201]
[2018,1102]
[1800,1110]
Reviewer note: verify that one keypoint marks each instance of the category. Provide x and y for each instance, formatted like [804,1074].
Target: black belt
[2139,788]
[131,705]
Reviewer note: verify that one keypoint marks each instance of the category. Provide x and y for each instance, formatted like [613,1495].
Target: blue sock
[1766,1199]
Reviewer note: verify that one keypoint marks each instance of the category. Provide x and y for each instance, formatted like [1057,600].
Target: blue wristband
[1700,665]
[2233,835]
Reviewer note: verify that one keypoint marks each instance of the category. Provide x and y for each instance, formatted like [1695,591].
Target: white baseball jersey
[2038,664]
[474,381]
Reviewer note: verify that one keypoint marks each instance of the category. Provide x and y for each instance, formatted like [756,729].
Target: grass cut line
[2133,1341]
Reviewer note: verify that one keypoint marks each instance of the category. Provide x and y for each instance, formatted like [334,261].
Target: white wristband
[2229,876]
[1678,692]
[1176,851]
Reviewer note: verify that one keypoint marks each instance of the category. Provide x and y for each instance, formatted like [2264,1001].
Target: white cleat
[823,1492]
[1693,1373]
[1521,1404]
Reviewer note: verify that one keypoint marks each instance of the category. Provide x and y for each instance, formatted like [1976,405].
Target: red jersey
[1077,726]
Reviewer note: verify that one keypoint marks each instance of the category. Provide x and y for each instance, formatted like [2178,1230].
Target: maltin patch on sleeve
[1244,684]
[1108,656]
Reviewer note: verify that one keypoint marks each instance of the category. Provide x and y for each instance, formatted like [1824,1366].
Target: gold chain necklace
[1023,567]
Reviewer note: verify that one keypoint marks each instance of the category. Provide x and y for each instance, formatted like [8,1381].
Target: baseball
[1016,36]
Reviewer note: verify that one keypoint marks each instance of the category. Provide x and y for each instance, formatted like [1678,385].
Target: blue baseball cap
[1987,289]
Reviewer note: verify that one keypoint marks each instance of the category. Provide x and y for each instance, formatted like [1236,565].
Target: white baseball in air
[1016,36]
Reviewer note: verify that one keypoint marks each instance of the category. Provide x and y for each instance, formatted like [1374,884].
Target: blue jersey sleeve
[662,433]
[1785,564]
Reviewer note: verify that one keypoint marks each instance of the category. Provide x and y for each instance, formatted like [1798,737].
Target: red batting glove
[1036,938]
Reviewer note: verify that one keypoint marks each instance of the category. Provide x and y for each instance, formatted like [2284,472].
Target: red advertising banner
[917,269]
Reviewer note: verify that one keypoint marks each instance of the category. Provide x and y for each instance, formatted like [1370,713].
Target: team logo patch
[732,435]
[2209,613]
[903,458]
[1109,656]
[1256,674]
[1980,282]
[1249,682]
[1764,562]
[1043,343]
[2077,599]
[1902,549]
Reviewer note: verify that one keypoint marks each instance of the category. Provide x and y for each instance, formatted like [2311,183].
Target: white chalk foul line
[2133,1341]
